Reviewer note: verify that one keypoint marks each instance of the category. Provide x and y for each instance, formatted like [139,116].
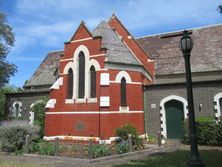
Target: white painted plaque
[104,79]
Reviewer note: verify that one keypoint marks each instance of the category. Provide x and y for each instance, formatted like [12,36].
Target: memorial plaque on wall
[80,126]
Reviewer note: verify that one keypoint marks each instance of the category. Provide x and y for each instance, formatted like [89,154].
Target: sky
[41,26]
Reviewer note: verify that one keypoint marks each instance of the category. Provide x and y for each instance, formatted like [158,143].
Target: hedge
[208,132]
[13,134]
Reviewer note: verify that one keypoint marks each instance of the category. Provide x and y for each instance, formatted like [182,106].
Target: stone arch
[32,114]
[19,103]
[122,74]
[163,111]
[84,49]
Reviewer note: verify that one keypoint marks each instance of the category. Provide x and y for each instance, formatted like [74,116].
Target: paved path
[99,162]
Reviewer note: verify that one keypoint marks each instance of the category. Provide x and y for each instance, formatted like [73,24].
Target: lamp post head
[186,43]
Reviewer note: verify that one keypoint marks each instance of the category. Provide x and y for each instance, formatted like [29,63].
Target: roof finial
[113,15]
[82,22]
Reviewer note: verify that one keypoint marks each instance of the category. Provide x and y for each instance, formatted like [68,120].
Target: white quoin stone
[51,103]
[57,84]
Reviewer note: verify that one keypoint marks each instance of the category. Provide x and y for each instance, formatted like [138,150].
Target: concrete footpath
[54,161]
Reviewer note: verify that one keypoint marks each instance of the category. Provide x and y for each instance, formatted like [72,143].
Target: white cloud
[52,22]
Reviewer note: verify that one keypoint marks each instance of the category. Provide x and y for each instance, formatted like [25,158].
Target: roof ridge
[177,31]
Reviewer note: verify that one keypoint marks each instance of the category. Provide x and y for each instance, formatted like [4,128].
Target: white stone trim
[124,109]
[133,83]
[85,50]
[94,63]
[82,138]
[91,112]
[51,103]
[83,39]
[217,106]
[69,101]
[70,59]
[91,56]
[14,109]
[97,55]
[92,100]
[163,111]
[32,114]
[57,84]
[31,118]
[81,100]
[122,74]
[68,66]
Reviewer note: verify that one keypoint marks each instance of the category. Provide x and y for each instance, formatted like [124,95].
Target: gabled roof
[205,56]
[45,73]
[81,30]
[117,52]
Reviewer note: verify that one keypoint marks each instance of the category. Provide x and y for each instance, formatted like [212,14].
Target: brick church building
[107,78]
[100,84]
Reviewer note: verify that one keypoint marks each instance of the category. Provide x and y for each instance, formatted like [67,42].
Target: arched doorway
[174,119]
[166,105]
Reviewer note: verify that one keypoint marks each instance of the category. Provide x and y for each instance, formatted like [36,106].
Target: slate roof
[44,75]
[205,56]
[117,51]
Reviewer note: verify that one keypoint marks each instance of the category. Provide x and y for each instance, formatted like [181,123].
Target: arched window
[81,85]
[123,92]
[92,82]
[70,84]
[16,110]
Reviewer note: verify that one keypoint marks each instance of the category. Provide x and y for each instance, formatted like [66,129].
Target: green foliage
[122,147]
[99,150]
[207,119]
[43,148]
[6,42]
[219,8]
[13,134]
[3,91]
[39,110]
[123,133]
[208,132]
[151,139]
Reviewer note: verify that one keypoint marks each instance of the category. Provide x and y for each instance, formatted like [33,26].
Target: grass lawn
[211,158]
[4,163]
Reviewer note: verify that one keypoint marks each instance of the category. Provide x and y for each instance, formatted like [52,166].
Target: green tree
[6,42]
[219,8]
[3,91]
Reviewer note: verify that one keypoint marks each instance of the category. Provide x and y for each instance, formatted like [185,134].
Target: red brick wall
[99,125]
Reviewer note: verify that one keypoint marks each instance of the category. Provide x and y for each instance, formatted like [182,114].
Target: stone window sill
[69,101]
[124,109]
[92,100]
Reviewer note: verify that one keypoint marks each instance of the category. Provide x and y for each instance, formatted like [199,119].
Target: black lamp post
[186,45]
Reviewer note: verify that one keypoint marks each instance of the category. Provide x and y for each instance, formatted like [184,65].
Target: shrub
[122,147]
[44,148]
[13,134]
[99,150]
[151,139]
[123,132]
[39,110]
[208,132]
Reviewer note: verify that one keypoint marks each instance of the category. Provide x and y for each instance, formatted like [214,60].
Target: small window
[70,84]
[81,85]
[16,110]
[92,82]
[123,92]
